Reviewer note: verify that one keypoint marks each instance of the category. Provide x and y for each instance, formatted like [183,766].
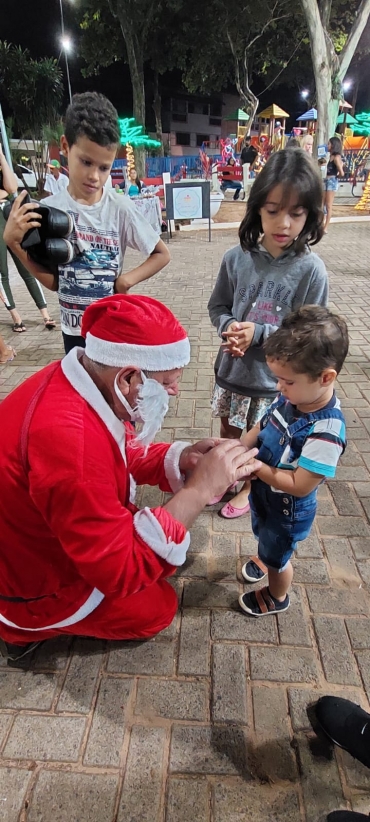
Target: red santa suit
[76,556]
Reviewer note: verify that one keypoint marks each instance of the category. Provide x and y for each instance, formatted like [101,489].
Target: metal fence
[189,166]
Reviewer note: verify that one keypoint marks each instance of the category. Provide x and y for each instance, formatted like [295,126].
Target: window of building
[182,138]
[215,110]
[191,108]
[215,121]
[202,138]
[179,111]
[205,108]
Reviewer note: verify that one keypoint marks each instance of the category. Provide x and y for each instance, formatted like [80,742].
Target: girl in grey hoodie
[271,273]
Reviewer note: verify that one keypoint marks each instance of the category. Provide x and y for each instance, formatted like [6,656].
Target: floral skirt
[241,412]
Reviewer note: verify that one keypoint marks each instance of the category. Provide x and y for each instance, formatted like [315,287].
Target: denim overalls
[280,520]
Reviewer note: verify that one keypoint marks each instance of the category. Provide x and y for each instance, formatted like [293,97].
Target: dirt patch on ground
[233,212]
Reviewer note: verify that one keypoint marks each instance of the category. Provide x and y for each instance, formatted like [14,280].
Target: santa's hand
[193,453]
[223,465]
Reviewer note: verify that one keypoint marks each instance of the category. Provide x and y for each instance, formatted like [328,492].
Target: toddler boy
[300,440]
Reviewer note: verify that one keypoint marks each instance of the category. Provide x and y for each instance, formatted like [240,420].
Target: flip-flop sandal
[261,603]
[50,324]
[230,512]
[215,500]
[9,359]
[19,328]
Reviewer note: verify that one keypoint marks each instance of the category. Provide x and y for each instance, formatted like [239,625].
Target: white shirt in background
[53,185]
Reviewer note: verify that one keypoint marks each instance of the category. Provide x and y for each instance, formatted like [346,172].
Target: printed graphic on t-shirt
[90,276]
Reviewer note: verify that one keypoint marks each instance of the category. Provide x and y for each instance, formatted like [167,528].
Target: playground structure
[271,125]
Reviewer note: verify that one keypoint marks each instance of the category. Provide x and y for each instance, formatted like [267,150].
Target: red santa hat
[127,329]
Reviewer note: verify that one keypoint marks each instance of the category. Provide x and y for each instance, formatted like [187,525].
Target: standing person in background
[334,170]
[271,273]
[55,181]
[249,154]
[8,185]
[104,224]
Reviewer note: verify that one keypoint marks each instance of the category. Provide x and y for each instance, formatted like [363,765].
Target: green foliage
[33,89]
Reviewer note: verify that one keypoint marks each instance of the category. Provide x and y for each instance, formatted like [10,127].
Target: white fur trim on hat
[147,357]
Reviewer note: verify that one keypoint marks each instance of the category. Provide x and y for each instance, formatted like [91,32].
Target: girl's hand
[239,338]
[21,218]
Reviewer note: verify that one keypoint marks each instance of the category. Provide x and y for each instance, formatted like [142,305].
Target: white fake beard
[152,407]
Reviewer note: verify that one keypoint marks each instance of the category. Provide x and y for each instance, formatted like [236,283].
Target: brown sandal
[19,328]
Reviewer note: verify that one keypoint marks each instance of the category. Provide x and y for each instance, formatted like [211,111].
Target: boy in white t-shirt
[104,224]
[54,180]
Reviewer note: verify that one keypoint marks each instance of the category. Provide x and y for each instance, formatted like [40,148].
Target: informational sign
[187,203]
[189,200]
[321,151]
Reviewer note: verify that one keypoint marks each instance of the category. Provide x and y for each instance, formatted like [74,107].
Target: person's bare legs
[242,498]
[329,200]
[279,583]
[7,353]
[229,432]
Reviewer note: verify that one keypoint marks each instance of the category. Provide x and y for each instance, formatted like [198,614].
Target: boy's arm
[159,257]
[21,218]
[249,438]
[298,483]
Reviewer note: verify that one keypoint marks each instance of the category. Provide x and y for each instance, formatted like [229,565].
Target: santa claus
[76,555]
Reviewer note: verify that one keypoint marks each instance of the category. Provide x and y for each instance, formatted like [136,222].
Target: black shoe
[344,723]
[347,816]
[14,653]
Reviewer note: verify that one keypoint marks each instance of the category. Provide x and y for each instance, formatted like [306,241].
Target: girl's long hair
[296,172]
[336,145]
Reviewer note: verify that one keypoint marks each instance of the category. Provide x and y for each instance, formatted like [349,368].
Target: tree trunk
[355,94]
[157,108]
[329,69]
[136,66]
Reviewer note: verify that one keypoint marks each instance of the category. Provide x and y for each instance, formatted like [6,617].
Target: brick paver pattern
[207,721]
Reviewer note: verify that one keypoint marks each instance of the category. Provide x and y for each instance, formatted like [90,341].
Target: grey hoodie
[256,287]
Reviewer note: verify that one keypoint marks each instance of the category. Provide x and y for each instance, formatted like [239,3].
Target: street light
[346,85]
[66,44]
[305,94]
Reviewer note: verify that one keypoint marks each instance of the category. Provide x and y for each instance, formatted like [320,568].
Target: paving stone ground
[207,721]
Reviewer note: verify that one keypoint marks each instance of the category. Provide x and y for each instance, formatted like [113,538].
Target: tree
[34,91]
[128,23]
[329,66]
[235,42]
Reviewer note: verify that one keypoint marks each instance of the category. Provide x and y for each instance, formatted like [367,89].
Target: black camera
[48,245]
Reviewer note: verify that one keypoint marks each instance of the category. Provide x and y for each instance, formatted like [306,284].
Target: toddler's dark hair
[310,339]
[294,171]
[91,115]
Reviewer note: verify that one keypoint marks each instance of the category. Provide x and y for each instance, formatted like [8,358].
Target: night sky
[35,24]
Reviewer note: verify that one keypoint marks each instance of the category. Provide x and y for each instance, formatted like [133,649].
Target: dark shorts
[72,342]
[279,521]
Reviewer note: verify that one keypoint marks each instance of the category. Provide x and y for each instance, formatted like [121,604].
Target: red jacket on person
[69,537]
